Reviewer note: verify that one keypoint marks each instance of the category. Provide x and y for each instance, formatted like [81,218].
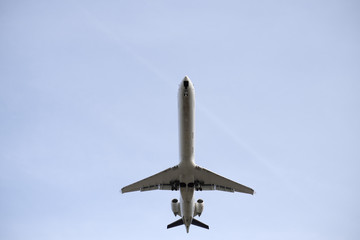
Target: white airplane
[187,176]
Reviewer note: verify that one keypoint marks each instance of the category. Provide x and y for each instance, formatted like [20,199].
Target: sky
[88,105]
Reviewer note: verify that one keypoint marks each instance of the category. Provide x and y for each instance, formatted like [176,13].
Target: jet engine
[199,207]
[175,207]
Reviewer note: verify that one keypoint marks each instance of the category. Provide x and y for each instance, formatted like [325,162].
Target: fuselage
[186,105]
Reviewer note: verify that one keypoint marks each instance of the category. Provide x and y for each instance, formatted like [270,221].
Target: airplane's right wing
[165,180]
[212,181]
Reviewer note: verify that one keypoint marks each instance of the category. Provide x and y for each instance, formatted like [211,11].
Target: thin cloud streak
[265,162]
[113,36]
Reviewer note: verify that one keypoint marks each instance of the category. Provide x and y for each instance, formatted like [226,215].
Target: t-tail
[193,222]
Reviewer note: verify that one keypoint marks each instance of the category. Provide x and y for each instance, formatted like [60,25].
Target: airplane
[187,176]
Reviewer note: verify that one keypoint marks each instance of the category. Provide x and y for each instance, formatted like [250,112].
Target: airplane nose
[186,82]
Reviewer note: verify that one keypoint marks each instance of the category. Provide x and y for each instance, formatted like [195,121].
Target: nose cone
[186,82]
[186,78]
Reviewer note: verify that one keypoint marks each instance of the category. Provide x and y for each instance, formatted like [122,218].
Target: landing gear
[175,185]
[197,186]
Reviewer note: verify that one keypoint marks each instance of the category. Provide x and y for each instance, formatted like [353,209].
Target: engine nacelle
[199,207]
[175,207]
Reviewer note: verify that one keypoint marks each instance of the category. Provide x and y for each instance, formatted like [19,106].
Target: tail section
[176,223]
[193,222]
[199,224]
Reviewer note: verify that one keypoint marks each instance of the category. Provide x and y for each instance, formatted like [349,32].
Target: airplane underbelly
[187,202]
[186,128]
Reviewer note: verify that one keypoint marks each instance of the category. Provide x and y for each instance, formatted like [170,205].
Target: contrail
[218,122]
[118,40]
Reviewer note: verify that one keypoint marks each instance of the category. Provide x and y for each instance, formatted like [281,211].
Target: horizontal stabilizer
[199,224]
[176,223]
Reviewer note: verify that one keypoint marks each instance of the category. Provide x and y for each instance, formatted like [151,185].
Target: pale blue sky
[88,104]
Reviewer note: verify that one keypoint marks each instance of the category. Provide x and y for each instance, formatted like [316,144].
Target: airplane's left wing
[165,180]
[208,180]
